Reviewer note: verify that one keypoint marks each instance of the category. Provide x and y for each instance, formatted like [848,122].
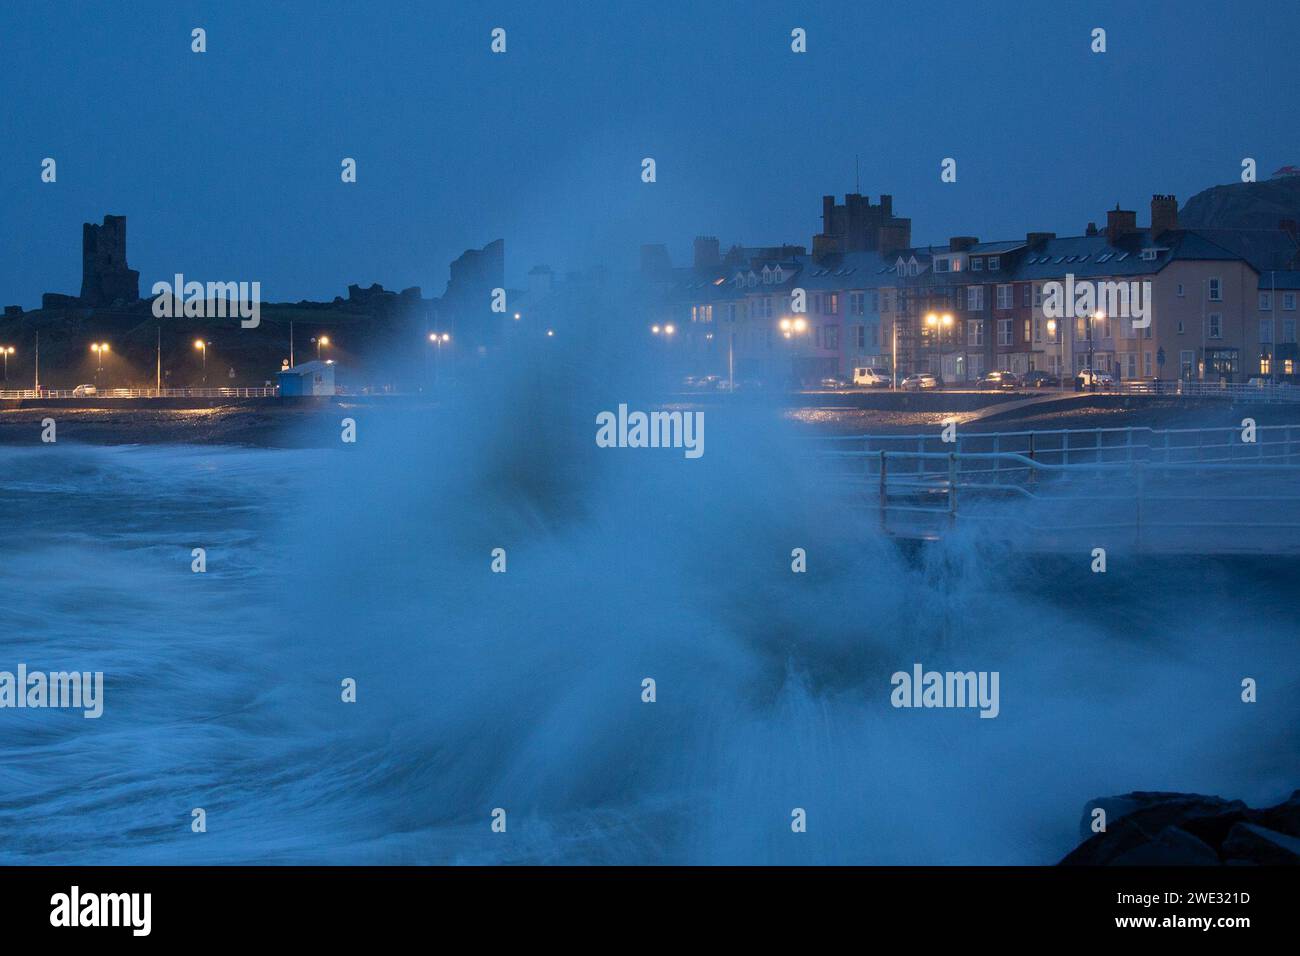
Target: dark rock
[1249,843]
[1173,846]
[1284,818]
[1154,810]
[1148,828]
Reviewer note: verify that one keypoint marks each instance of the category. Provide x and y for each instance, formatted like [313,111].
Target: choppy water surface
[523,690]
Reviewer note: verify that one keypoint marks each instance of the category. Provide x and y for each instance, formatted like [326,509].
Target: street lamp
[319,341]
[439,339]
[790,328]
[1060,359]
[7,351]
[1092,371]
[99,348]
[938,323]
[202,346]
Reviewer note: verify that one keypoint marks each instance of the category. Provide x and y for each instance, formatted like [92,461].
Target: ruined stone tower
[105,277]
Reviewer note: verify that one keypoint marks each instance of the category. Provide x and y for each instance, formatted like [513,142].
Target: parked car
[1089,379]
[872,377]
[998,379]
[832,381]
[1040,379]
[84,390]
[921,380]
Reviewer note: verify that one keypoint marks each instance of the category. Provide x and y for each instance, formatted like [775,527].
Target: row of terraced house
[1223,303]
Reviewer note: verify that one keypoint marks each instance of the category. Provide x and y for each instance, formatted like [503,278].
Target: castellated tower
[105,277]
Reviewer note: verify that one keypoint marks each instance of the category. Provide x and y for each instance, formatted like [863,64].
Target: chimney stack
[962,243]
[1036,240]
[1164,214]
[1120,223]
[707,252]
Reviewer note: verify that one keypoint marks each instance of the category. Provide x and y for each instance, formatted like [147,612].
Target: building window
[1216,291]
[875,301]
[1265,302]
[1027,292]
[1180,289]
[975,298]
[1216,325]
[1288,301]
[857,303]
[861,331]
[941,265]
[977,265]
[1038,296]
[1146,364]
[1035,329]
[1004,331]
[1266,330]
[1187,363]
[995,263]
[731,312]
[832,303]
[1264,365]
[833,337]
[975,333]
[1288,331]
[913,268]
[1005,300]
[1180,327]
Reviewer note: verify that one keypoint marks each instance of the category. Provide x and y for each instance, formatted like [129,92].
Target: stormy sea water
[523,690]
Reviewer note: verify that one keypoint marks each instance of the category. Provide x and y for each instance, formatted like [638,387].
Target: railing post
[1140,482]
[952,488]
[884,489]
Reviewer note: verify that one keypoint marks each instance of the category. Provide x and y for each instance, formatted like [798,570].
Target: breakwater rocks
[1147,828]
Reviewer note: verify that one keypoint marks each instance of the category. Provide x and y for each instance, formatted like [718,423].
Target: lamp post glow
[7,351]
[321,340]
[439,339]
[938,323]
[790,328]
[1092,371]
[100,349]
[202,346]
[1060,359]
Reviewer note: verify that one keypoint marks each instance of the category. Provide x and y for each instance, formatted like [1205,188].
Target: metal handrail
[943,488]
[222,392]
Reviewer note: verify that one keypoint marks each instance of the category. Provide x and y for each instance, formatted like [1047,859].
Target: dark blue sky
[227,163]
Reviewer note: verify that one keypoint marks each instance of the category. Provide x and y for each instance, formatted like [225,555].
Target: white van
[871,376]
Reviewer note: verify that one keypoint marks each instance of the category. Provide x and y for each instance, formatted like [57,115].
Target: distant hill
[1259,205]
